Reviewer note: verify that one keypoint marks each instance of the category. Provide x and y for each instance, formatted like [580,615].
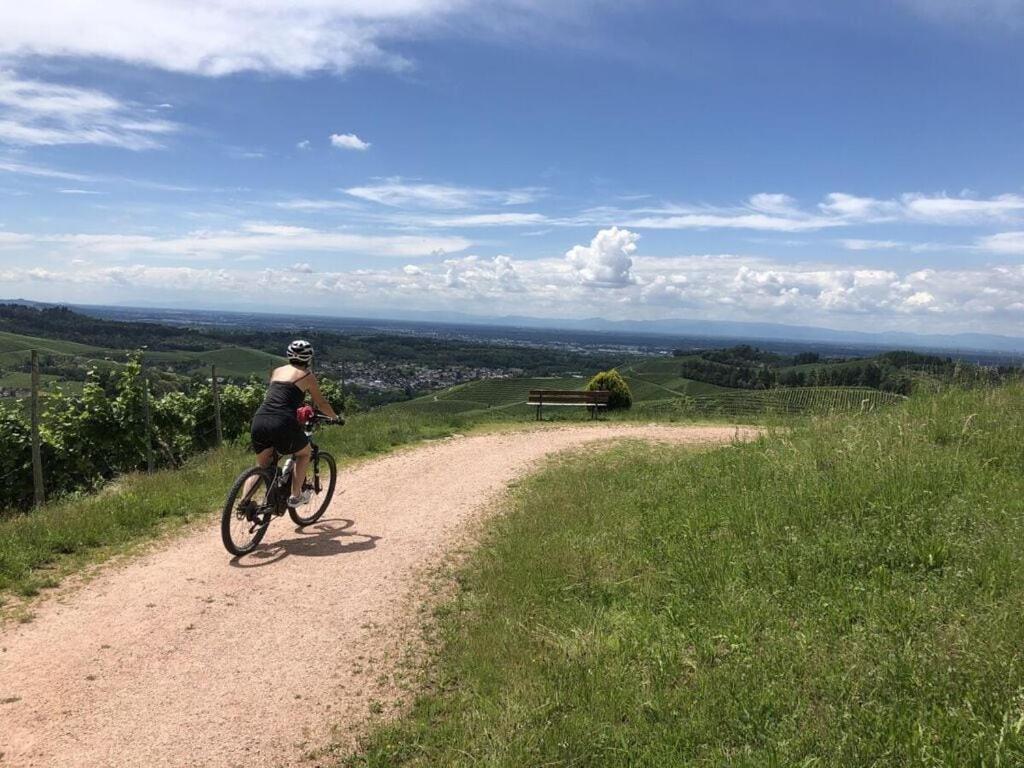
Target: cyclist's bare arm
[319,400]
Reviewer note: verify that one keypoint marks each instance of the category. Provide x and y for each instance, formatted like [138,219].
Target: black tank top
[283,397]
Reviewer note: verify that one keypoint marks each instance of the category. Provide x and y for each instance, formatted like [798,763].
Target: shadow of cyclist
[322,539]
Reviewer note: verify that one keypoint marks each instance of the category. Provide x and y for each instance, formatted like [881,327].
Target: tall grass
[846,593]
[137,506]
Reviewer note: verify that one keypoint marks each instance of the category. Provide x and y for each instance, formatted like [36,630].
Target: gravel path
[181,657]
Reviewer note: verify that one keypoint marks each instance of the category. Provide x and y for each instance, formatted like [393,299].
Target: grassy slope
[14,342]
[36,548]
[845,594]
[234,362]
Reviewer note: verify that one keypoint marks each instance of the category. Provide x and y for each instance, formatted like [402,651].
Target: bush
[613,382]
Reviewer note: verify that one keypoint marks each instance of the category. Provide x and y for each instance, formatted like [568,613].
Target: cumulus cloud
[349,141]
[33,113]
[607,260]
[712,286]
[304,144]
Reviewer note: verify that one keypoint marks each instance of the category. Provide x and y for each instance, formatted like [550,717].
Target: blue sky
[844,164]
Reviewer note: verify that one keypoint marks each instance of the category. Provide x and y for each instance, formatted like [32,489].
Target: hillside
[846,594]
[659,392]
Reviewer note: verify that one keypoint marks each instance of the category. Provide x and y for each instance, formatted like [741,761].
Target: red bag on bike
[305,414]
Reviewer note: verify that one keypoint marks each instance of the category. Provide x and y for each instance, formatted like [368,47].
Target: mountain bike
[260,494]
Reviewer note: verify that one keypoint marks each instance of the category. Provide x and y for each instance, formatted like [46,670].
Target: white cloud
[480,220]
[1011,243]
[39,113]
[292,37]
[24,169]
[773,212]
[304,144]
[218,37]
[962,210]
[303,268]
[843,206]
[607,260]
[775,203]
[305,204]
[349,141]
[713,286]
[855,244]
[254,238]
[399,193]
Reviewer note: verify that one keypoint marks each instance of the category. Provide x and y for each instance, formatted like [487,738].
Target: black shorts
[282,433]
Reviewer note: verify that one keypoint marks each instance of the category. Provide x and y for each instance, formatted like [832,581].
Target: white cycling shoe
[301,499]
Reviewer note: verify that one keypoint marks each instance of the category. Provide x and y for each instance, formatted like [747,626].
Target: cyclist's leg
[299,472]
[265,458]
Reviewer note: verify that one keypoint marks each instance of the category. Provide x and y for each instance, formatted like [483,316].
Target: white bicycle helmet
[300,351]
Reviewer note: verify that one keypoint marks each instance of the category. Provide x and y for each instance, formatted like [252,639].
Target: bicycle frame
[279,481]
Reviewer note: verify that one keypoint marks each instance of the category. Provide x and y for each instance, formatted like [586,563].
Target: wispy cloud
[406,194]
[781,213]
[855,244]
[44,172]
[253,238]
[293,37]
[1011,243]
[34,113]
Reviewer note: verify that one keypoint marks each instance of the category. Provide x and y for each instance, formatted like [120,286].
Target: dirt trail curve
[182,658]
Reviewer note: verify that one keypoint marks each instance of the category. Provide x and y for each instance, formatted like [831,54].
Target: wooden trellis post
[215,390]
[39,493]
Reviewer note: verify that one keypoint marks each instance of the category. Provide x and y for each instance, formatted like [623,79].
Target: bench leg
[538,412]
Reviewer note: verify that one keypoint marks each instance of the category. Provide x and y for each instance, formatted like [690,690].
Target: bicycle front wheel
[247,512]
[321,479]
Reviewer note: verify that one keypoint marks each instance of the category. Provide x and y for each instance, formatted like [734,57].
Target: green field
[845,593]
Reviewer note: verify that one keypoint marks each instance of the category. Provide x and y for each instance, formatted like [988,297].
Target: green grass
[845,593]
[61,536]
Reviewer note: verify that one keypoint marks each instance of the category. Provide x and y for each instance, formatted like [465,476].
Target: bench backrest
[590,397]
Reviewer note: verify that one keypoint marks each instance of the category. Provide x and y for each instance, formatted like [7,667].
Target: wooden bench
[592,399]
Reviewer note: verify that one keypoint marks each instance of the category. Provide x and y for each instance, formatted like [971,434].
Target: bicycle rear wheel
[247,512]
[321,479]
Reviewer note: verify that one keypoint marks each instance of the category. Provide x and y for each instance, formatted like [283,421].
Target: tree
[613,382]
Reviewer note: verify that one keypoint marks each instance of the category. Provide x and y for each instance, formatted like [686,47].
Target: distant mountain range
[742,331]
[713,329]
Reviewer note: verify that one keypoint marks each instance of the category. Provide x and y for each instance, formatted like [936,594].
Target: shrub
[612,381]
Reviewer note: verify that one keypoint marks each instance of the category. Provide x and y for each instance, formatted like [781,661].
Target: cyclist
[275,427]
